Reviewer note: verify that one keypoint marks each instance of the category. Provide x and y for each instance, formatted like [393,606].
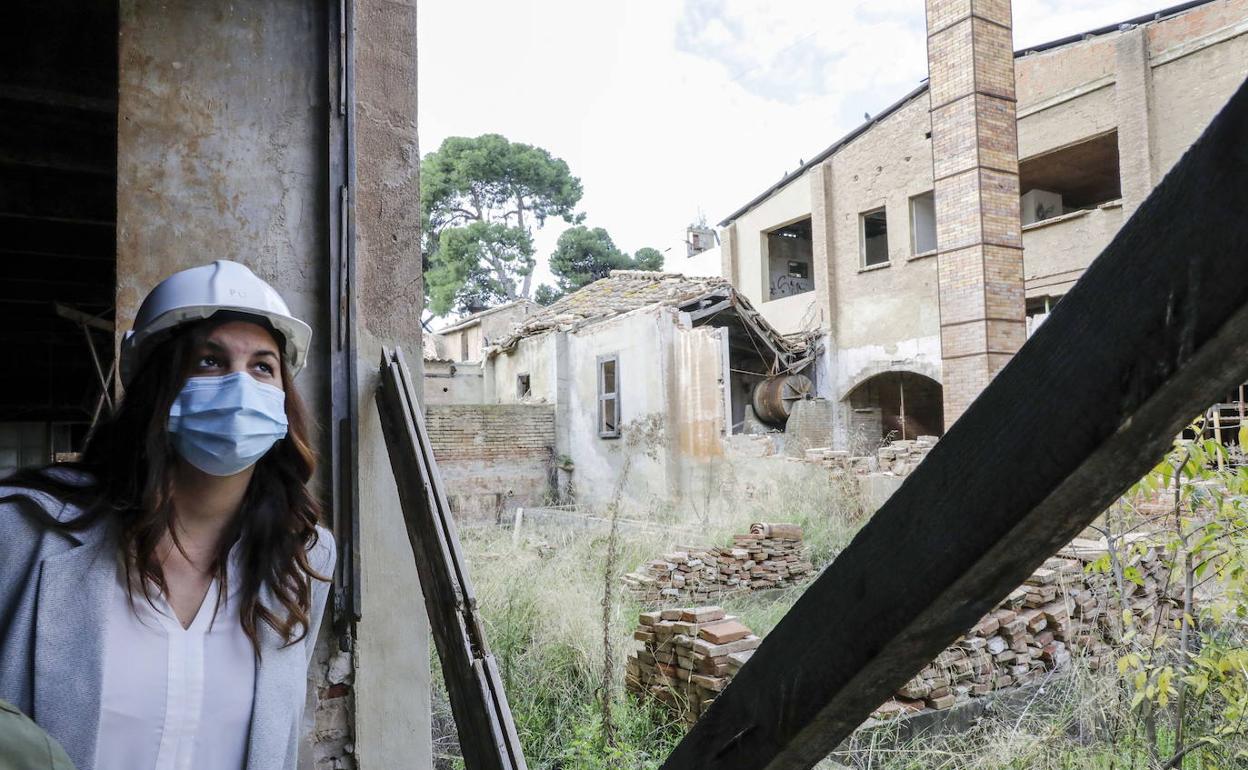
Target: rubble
[1061,612]
[896,458]
[770,556]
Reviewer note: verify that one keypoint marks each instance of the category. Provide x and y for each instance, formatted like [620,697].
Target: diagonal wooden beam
[1156,330]
[487,733]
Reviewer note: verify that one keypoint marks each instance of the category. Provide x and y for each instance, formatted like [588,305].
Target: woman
[159,600]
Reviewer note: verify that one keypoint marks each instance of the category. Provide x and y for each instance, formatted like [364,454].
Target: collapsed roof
[708,301]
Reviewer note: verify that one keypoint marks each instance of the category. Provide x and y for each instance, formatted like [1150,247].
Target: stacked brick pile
[770,556]
[687,657]
[898,458]
[1060,612]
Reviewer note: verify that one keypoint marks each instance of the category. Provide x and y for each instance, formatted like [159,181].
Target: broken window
[790,260]
[523,386]
[1038,309]
[609,397]
[923,223]
[1078,176]
[873,230]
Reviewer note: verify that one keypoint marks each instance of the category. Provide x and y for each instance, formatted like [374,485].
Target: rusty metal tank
[774,397]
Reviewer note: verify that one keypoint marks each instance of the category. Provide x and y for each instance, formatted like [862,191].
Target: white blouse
[175,698]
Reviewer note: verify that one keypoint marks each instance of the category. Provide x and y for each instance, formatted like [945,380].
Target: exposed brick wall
[975,166]
[493,457]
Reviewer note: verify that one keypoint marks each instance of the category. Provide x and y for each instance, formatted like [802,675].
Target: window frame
[613,397]
[914,231]
[862,238]
[524,385]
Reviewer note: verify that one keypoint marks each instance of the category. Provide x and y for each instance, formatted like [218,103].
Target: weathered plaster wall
[640,339]
[1058,250]
[534,356]
[448,382]
[706,264]
[697,407]
[221,153]
[801,312]
[1194,87]
[749,248]
[392,651]
[671,403]
[1068,122]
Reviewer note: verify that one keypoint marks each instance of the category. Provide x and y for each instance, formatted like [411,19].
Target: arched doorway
[893,406]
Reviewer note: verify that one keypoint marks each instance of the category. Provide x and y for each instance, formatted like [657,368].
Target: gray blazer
[53,590]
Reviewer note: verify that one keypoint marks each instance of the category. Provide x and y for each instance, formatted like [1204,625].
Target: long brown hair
[130,460]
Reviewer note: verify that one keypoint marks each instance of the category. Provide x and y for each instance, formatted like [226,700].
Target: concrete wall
[453,383]
[392,652]
[706,264]
[494,457]
[534,356]
[1058,249]
[468,343]
[749,251]
[672,409]
[1198,62]
[221,153]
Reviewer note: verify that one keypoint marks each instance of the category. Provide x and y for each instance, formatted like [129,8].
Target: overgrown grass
[541,601]
[1078,720]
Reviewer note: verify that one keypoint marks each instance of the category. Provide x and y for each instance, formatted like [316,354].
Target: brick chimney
[970,62]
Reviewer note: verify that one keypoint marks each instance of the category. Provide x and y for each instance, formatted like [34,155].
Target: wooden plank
[1155,331]
[487,733]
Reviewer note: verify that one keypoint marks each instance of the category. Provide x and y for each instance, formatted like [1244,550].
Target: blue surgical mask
[223,425]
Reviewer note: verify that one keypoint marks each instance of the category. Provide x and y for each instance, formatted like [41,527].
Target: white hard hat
[199,292]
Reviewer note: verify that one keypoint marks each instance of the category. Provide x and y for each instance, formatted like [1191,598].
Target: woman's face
[238,346]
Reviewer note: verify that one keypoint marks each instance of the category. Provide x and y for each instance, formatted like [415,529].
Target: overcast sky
[667,109]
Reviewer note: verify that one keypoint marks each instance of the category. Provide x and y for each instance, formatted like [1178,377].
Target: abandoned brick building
[926,244]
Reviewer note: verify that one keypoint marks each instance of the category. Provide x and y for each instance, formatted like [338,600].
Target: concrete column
[730,265]
[564,382]
[1133,94]
[822,224]
[392,651]
[823,254]
[975,167]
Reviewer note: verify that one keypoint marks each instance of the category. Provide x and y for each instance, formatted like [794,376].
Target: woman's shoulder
[323,553]
[30,507]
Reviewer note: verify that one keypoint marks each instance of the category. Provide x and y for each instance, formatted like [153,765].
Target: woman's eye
[266,368]
[208,362]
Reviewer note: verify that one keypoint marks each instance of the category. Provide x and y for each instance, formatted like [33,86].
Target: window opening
[923,223]
[1079,176]
[790,260]
[608,397]
[873,226]
[523,386]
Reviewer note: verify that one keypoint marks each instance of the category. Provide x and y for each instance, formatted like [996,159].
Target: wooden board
[487,734]
[1155,331]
